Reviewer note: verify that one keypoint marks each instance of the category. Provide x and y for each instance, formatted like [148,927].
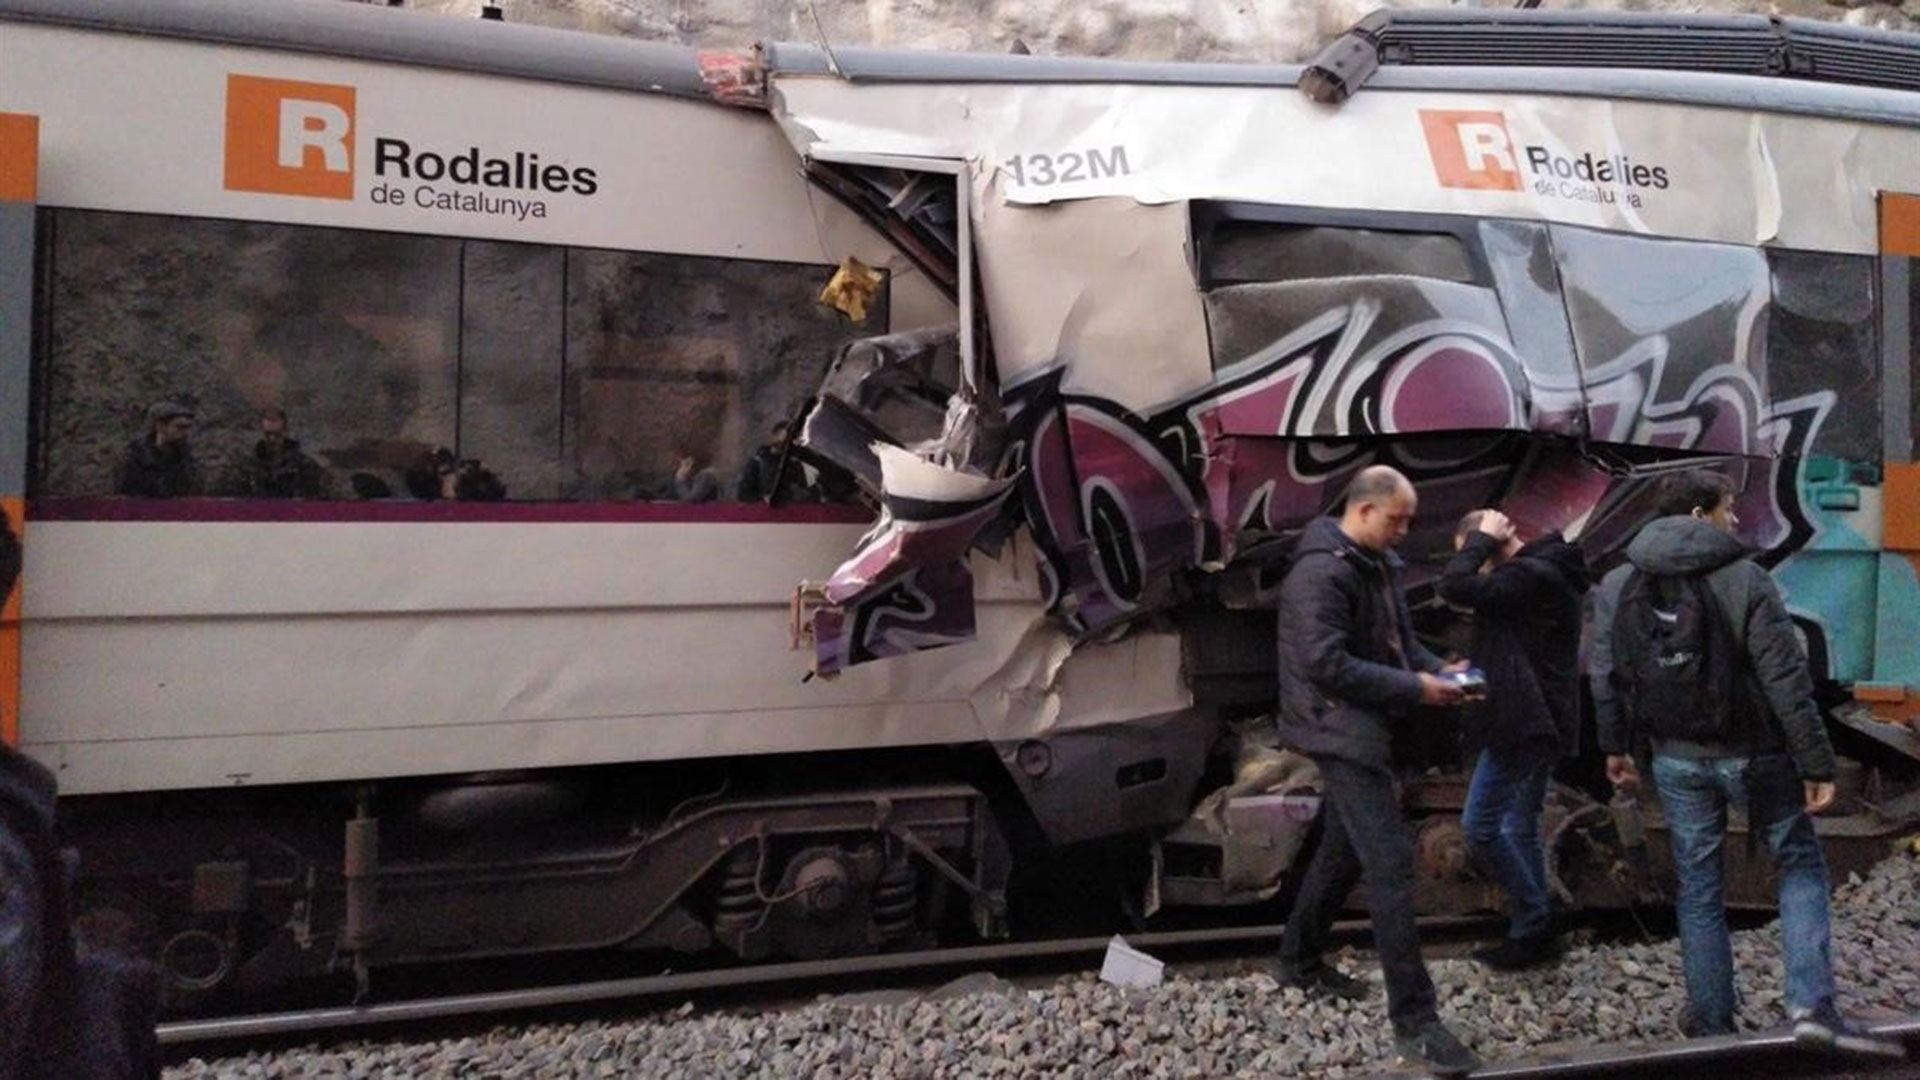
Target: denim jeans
[1695,794]
[1502,820]
[1363,836]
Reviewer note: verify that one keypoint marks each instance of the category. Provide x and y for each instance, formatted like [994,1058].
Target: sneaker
[1520,954]
[1826,1029]
[1321,980]
[1436,1048]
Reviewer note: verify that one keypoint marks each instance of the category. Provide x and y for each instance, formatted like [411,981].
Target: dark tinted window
[566,372]
[1239,252]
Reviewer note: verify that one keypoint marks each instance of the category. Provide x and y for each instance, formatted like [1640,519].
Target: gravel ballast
[1188,1027]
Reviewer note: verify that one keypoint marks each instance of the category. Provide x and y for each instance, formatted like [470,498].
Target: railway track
[1762,1054]
[1759,1054]
[846,973]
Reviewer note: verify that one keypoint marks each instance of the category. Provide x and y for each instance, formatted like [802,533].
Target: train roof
[1739,61]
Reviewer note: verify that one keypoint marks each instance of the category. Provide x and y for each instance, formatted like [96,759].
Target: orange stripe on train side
[1899,224]
[16,508]
[1900,507]
[19,157]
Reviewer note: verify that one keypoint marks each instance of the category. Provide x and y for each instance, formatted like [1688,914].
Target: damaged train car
[1205,305]
[1024,371]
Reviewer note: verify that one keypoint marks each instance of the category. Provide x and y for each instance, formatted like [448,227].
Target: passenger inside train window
[572,373]
[277,468]
[690,483]
[440,475]
[159,464]
[762,480]
[474,482]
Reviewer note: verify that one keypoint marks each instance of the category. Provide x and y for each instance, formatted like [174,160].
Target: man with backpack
[1694,653]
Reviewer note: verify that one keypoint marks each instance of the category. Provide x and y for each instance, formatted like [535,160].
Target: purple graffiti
[1124,506]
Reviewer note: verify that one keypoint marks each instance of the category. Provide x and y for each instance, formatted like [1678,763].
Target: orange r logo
[1471,149]
[289,138]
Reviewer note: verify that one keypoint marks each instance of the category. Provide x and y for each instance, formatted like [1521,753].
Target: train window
[1912,322]
[511,359]
[417,366]
[1673,308]
[1821,337]
[1243,252]
[351,333]
[674,358]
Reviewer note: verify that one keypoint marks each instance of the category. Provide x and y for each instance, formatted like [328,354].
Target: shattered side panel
[1149,450]
[1351,357]
[908,587]
[1671,338]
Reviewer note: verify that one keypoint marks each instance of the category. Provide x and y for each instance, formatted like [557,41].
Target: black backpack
[1677,663]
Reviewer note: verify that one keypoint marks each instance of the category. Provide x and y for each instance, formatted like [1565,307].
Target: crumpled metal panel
[1545,371]
[907,586]
[922,608]
[1348,357]
[930,516]
[1671,338]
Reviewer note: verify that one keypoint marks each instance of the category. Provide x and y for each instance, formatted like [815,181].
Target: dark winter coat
[1526,638]
[38,981]
[1782,684]
[149,472]
[12,556]
[280,473]
[1342,618]
[758,476]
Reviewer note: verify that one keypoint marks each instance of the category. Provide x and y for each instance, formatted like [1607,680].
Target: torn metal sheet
[930,517]
[1252,827]
[907,586]
[1655,168]
[1099,288]
[1047,684]
[919,608]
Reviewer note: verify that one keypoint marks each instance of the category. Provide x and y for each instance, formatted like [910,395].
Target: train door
[19,173]
[1893,693]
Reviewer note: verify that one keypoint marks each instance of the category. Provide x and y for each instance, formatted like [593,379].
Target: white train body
[218,649]
[306,734]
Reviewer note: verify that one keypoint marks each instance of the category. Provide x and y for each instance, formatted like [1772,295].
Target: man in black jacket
[1350,667]
[159,464]
[1777,763]
[1525,601]
[762,480]
[278,468]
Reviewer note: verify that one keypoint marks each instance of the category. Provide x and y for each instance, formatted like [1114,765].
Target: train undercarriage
[240,895]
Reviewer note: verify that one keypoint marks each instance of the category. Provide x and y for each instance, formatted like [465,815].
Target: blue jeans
[1502,820]
[1695,794]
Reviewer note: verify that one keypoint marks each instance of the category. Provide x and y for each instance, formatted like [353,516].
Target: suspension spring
[895,896]
[737,906]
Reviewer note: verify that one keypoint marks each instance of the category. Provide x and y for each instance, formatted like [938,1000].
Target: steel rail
[1691,1055]
[348,1017]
